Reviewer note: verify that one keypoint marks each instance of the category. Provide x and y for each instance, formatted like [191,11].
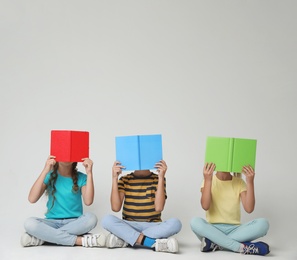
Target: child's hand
[161,167]
[88,164]
[208,171]
[50,162]
[117,169]
[249,173]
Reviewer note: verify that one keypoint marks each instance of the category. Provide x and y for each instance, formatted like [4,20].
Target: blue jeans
[230,236]
[60,231]
[129,231]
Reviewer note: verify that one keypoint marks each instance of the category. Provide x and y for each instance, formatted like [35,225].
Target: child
[143,194]
[65,223]
[221,196]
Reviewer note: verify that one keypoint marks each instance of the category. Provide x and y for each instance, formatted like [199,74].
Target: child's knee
[176,224]
[263,225]
[30,224]
[107,221]
[197,224]
[91,220]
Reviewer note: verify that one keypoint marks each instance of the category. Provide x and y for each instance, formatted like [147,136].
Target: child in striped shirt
[142,194]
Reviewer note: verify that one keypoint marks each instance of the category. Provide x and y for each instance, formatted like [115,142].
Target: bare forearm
[206,190]
[250,198]
[160,195]
[206,195]
[89,190]
[38,188]
[115,198]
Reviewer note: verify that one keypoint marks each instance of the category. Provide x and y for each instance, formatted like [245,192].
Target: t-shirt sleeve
[82,179]
[202,185]
[121,187]
[47,178]
[242,186]
[165,188]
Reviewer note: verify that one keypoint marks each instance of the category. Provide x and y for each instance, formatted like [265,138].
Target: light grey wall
[185,69]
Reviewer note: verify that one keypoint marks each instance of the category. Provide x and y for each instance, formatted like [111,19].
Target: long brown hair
[51,187]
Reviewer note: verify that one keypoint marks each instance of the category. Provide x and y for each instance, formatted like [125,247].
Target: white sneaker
[113,241]
[28,240]
[96,240]
[169,245]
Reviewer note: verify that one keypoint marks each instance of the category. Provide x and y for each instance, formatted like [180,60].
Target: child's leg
[61,232]
[81,225]
[163,229]
[250,231]
[121,229]
[143,233]
[202,228]
[48,230]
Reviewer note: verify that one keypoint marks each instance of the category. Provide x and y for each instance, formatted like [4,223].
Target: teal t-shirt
[68,204]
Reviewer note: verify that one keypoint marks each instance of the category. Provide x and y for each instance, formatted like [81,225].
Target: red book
[69,146]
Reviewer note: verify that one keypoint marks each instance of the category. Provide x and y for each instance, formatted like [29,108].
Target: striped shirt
[139,202]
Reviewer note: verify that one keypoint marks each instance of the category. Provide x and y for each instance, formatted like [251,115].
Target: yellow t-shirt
[225,204]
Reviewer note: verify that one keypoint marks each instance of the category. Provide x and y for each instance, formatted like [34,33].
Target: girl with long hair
[64,223]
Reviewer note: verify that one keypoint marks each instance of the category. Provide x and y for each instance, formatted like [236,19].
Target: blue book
[139,152]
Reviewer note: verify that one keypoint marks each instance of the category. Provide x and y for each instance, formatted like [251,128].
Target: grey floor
[10,248]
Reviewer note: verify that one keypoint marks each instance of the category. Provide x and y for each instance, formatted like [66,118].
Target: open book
[139,152]
[69,146]
[230,154]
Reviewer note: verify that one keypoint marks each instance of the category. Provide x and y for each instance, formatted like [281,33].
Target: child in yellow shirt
[221,195]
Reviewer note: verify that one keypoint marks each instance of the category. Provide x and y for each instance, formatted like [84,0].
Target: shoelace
[251,249]
[216,247]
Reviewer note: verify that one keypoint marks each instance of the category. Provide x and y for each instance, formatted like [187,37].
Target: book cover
[244,153]
[230,154]
[139,152]
[69,146]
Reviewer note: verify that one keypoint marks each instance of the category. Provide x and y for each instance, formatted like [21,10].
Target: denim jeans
[230,236]
[129,231]
[60,231]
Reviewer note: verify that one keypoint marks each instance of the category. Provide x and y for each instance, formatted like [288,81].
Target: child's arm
[39,187]
[88,189]
[248,196]
[116,197]
[206,190]
[160,193]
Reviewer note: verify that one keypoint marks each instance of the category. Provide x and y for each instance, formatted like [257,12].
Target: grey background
[184,69]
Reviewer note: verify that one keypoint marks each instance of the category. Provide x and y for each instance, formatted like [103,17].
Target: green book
[230,154]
